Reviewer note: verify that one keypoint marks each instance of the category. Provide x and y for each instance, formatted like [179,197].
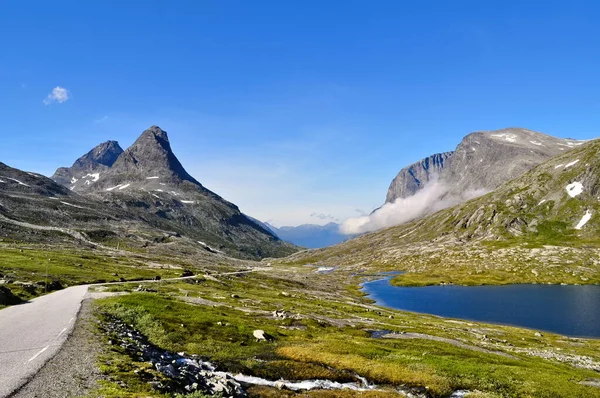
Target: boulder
[260,335]
[7,297]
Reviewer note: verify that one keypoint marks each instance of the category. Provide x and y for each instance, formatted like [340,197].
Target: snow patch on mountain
[586,217]
[94,176]
[571,163]
[71,204]
[119,187]
[574,189]
[17,181]
[507,136]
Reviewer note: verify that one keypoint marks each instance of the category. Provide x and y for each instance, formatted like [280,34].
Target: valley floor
[318,326]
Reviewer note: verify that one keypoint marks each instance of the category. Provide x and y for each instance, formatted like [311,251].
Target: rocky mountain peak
[105,154]
[148,182]
[483,160]
[154,136]
[86,168]
[151,155]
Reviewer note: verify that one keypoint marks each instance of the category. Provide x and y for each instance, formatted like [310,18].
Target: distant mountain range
[310,235]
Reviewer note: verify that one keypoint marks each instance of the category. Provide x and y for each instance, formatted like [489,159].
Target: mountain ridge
[148,180]
[483,160]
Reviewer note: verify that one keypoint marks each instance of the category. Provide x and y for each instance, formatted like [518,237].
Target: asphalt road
[32,333]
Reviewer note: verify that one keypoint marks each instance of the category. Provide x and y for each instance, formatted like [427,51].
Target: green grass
[35,265]
[331,342]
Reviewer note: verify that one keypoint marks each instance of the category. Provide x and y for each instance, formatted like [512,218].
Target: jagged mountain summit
[87,168]
[148,180]
[144,163]
[482,161]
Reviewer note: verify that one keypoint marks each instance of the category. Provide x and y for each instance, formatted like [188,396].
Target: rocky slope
[482,161]
[148,181]
[540,227]
[35,208]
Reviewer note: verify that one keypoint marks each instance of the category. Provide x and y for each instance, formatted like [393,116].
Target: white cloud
[58,94]
[433,197]
[325,217]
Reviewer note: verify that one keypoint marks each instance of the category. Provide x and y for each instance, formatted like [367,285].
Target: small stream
[188,373]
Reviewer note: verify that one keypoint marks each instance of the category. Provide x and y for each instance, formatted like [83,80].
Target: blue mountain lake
[568,310]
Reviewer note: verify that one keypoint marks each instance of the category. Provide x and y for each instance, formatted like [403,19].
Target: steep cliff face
[412,178]
[481,162]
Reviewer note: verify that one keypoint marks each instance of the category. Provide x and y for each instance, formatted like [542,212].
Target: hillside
[542,227]
[35,208]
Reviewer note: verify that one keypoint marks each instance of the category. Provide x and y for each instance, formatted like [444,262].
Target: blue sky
[292,109]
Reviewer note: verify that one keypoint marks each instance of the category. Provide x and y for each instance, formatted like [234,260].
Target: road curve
[32,333]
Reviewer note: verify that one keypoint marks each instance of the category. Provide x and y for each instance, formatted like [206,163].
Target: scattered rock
[52,285]
[280,314]
[260,335]
[591,383]
[186,374]
[141,288]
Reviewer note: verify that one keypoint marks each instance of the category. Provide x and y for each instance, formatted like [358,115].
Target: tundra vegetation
[327,333]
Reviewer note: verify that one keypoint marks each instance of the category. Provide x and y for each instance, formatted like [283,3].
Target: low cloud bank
[433,197]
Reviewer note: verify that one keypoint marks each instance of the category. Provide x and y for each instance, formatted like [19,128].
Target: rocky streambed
[185,373]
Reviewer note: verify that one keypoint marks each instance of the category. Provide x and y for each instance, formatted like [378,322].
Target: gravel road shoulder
[73,371]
